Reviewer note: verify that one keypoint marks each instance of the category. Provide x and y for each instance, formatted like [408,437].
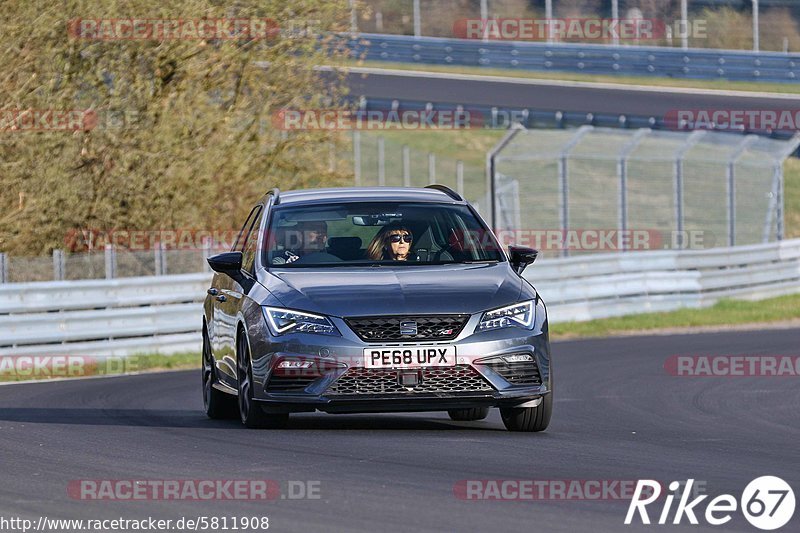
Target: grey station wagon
[359,300]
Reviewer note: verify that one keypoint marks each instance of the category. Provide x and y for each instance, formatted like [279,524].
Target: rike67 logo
[767,503]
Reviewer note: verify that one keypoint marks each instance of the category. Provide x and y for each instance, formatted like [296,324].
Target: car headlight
[519,315]
[283,321]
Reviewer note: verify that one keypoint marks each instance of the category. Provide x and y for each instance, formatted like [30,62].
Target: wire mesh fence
[640,189]
[416,159]
[108,263]
[562,191]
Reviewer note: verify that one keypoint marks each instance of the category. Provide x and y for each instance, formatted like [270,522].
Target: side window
[238,246]
[251,243]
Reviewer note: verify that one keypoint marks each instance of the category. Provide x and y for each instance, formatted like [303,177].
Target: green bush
[184,138]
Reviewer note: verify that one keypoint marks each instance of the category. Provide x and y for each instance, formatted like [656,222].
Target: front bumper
[347,387]
[400,403]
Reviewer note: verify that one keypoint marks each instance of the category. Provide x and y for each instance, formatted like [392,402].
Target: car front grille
[455,379]
[388,328]
[518,373]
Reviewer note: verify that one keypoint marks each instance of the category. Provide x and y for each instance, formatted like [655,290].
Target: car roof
[365,194]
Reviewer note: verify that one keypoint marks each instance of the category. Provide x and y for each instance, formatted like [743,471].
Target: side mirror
[521,257]
[228,263]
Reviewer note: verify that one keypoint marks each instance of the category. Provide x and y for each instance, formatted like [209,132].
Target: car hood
[360,291]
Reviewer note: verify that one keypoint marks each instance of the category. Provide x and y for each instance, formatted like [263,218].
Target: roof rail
[276,192]
[447,190]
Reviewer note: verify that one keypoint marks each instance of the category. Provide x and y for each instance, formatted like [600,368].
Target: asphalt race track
[618,416]
[546,95]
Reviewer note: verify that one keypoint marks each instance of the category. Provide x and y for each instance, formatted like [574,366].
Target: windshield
[377,233]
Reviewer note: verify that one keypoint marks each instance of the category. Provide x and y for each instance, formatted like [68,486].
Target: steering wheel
[318,257]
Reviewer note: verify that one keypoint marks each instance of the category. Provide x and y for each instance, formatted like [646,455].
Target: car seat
[346,248]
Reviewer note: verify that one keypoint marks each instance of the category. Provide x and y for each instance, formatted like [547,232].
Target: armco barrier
[588,287]
[103,317]
[585,58]
[164,314]
[530,118]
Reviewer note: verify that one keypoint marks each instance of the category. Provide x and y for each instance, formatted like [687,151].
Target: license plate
[409,356]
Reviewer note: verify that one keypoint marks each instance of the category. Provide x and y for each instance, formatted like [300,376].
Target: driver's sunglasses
[405,237]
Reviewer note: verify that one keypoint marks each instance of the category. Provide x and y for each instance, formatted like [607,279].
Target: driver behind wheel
[392,243]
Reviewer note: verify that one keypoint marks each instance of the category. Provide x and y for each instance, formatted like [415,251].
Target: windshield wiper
[382,263]
[337,264]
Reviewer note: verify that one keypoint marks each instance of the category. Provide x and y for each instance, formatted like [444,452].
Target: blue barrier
[503,117]
[694,63]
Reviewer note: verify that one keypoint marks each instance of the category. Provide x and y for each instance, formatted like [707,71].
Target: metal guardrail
[502,117]
[103,317]
[695,63]
[149,314]
[585,288]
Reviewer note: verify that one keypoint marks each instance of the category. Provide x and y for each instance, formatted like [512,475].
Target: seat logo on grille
[408,328]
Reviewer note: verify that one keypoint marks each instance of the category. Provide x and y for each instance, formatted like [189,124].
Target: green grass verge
[97,366]
[178,361]
[791,193]
[723,313]
[788,88]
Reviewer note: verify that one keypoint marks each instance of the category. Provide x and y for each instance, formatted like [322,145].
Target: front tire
[528,418]
[217,404]
[468,415]
[250,413]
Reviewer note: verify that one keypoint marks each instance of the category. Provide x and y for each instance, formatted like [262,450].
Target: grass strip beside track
[791,192]
[105,366]
[724,314]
